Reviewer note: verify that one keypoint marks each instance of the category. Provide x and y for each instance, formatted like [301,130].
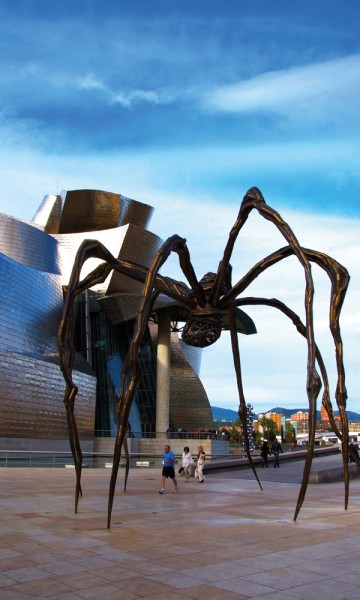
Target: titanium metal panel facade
[31,399]
[189,405]
[31,386]
[28,245]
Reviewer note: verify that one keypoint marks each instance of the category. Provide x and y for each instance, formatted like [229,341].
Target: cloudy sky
[185,105]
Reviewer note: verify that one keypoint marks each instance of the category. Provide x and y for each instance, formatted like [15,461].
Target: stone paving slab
[224,539]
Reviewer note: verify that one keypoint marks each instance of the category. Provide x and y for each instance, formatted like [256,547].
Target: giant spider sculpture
[206,301]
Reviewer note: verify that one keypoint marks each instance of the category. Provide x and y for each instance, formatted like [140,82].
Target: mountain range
[226,414]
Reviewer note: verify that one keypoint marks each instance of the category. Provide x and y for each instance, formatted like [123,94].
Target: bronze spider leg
[94,249]
[67,357]
[339,278]
[339,283]
[130,379]
[88,249]
[131,373]
[253,199]
[242,407]
[273,302]
[127,391]
[325,399]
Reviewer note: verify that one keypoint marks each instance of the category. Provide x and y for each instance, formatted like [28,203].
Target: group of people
[198,433]
[187,462]
[275,449]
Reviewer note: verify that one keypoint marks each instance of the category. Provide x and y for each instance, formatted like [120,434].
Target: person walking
[200,464]
[352,450]
[168,471]
[264,452]
[186,463]
[276,449]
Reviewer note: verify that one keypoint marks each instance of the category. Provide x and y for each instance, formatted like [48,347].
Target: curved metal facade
[31,386]
[35,262]
[189,404]
[28,245]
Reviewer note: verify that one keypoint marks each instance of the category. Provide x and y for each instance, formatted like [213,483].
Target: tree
[290,435]
[269,427]
[235,434]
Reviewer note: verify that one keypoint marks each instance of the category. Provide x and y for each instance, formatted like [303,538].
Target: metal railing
[93,460]
[203,434]
[97,460]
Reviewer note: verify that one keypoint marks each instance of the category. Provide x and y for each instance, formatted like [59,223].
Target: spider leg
[242,407]
[188,270]
[302,330]
[312,412]
[342,435]
[88,249]
[253,199]
[125,442]
[339,283]
[67,357]
[131,373]
[339,278]
[130,379]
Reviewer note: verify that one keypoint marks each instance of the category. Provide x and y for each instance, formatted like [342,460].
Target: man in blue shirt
[168,470]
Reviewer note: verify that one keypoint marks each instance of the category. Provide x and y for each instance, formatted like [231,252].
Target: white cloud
[90,82]
[334,83]
[136,97]
[127,98]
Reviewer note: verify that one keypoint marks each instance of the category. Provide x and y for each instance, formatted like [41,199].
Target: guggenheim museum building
[36,260]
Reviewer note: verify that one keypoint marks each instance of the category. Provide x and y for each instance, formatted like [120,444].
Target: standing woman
[200,463]
[276,449]
[187,461]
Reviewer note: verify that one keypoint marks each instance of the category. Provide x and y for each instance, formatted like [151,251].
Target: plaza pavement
[225,539]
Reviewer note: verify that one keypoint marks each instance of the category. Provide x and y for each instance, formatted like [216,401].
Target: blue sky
[186,105]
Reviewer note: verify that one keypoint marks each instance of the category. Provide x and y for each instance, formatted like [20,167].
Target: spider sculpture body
[206,301]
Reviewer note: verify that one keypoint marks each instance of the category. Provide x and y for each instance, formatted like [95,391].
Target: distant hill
[225,414]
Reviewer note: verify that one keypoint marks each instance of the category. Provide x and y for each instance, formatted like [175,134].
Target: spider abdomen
[203,328]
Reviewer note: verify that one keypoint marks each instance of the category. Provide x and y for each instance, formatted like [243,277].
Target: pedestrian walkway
[225,539]
[291,470]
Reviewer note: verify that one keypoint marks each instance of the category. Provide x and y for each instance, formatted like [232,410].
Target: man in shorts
[168,470]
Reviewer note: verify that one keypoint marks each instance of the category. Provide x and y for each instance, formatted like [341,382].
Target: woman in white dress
[186,463]
[200,464]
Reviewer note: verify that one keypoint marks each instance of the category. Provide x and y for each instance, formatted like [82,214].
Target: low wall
[155,446]
[332,475]
[42,445]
